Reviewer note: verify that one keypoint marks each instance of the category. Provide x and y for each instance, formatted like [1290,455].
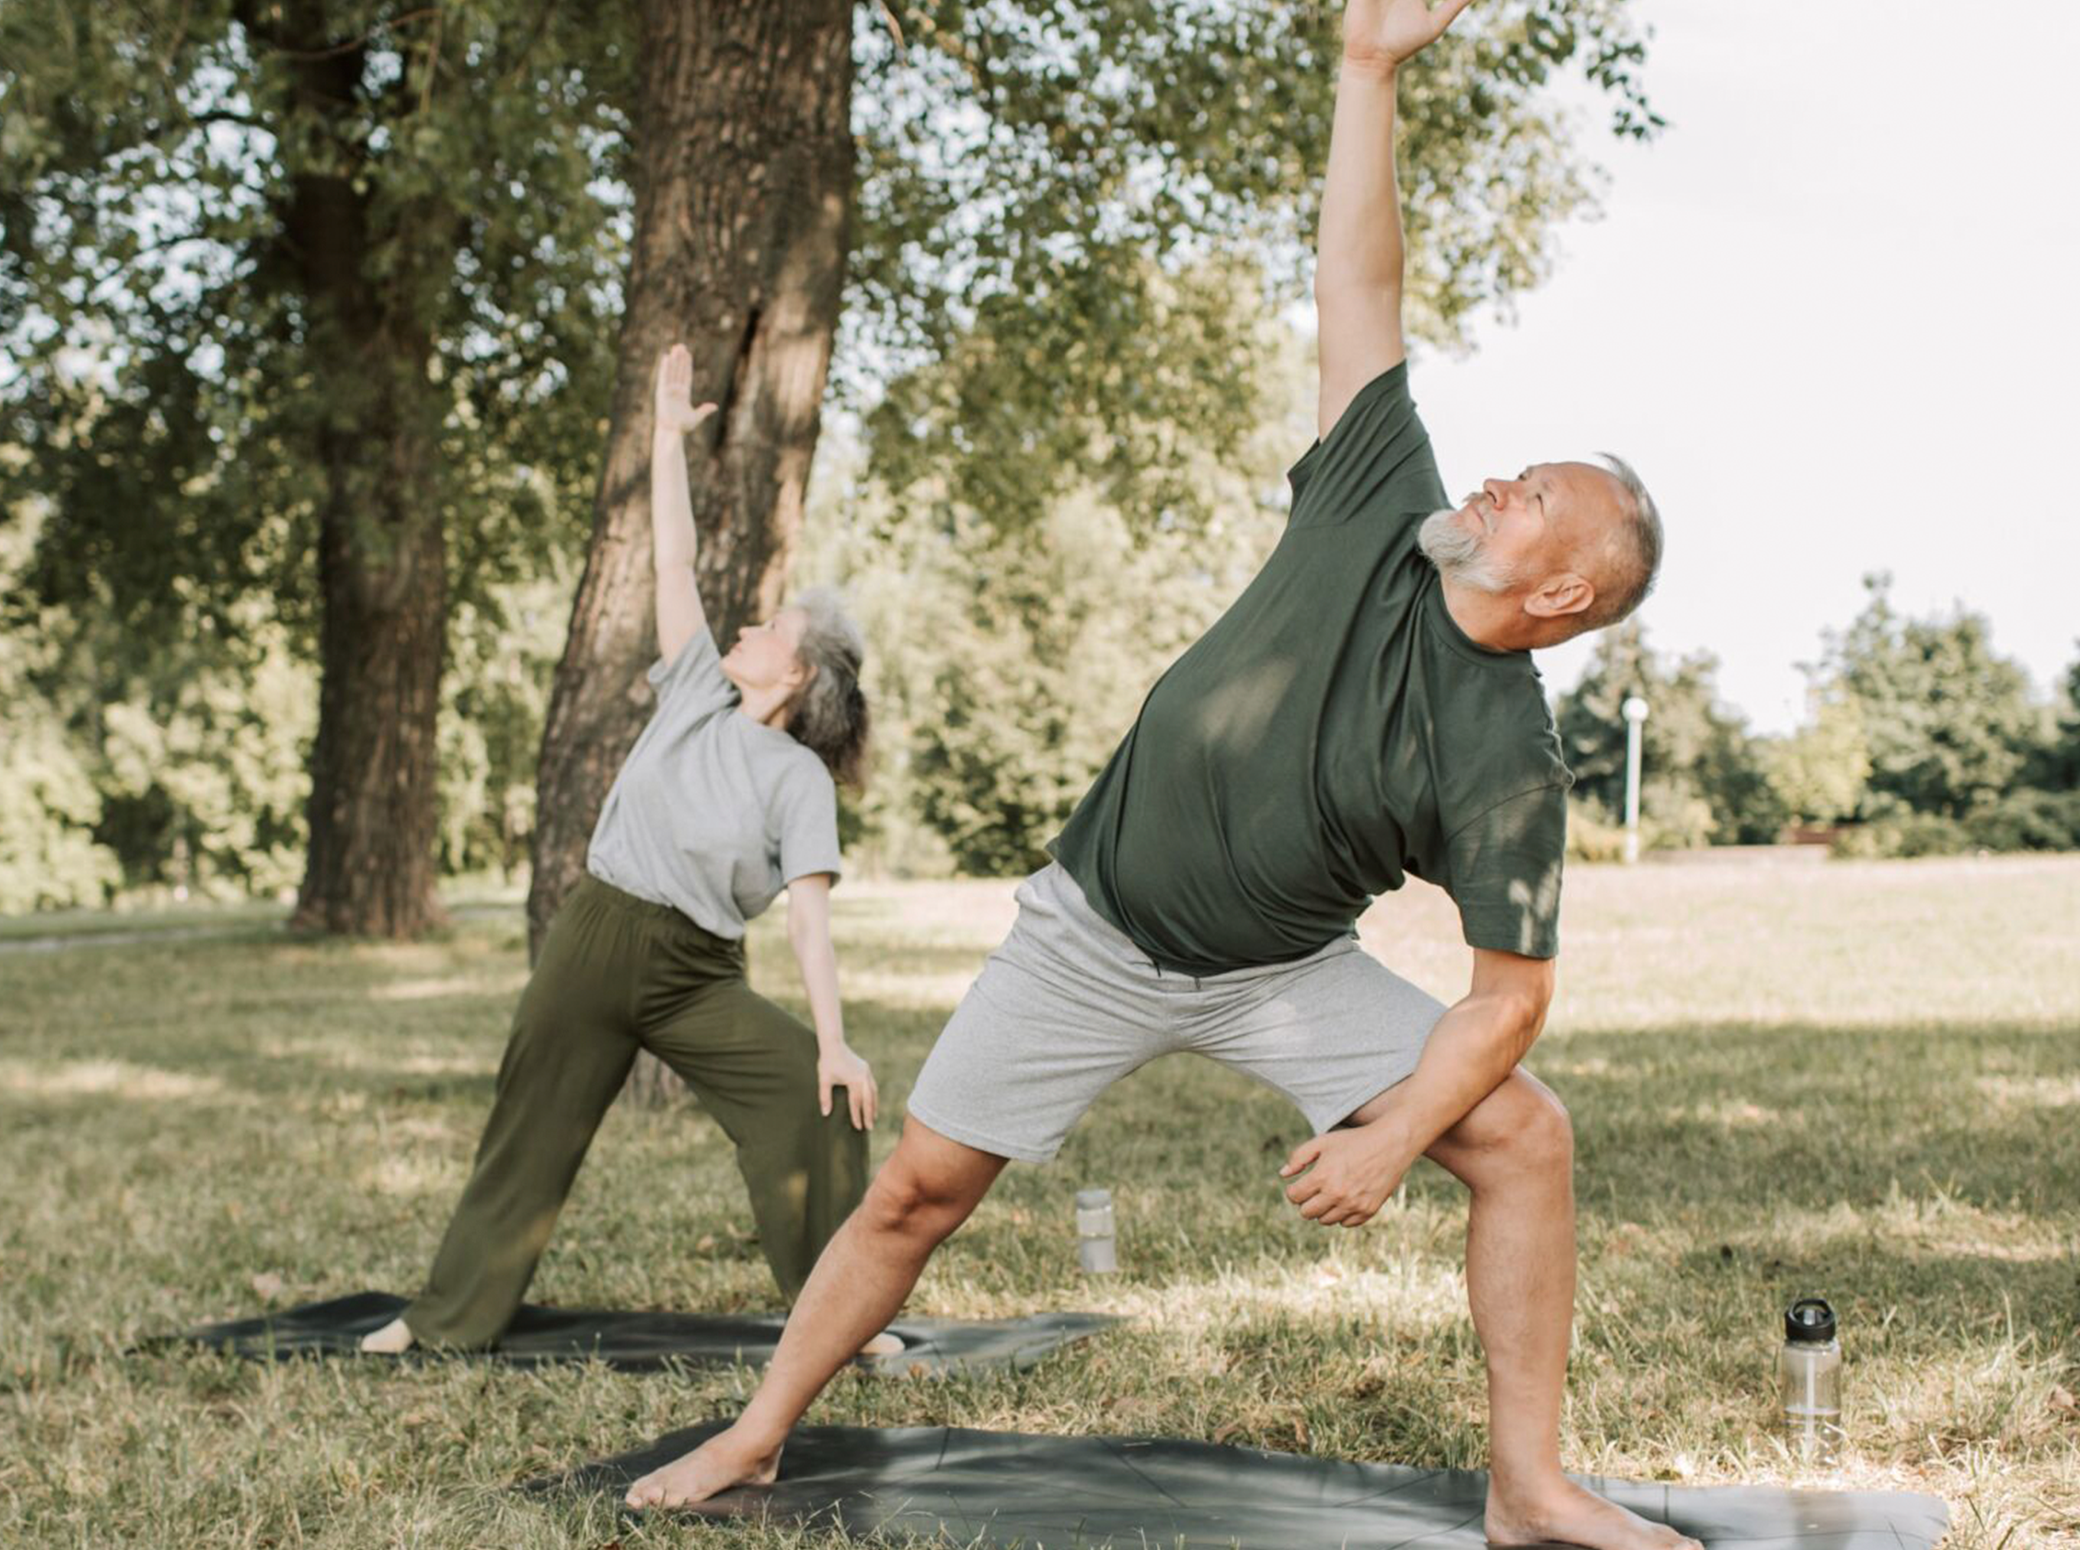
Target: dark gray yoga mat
[645,1342]
[1041,1493]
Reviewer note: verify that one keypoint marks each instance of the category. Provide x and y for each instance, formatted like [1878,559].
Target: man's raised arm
[1357,278]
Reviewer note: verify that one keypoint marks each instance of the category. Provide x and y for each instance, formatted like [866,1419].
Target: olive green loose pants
[618,974]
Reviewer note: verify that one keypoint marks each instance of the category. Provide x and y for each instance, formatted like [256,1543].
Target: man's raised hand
[676,410]
[1381,34]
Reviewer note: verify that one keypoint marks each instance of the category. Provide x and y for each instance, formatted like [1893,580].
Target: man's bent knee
[902,1204]
[1522,1126]
[928,1188]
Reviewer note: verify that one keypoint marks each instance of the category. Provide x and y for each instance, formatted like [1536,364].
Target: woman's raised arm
[673,542]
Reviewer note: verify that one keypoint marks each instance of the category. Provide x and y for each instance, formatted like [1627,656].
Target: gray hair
[829,716]
[1631,557]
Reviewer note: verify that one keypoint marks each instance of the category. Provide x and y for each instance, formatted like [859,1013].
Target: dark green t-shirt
[1334,731]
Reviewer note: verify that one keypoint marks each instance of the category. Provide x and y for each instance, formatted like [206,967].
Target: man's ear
[1560,595]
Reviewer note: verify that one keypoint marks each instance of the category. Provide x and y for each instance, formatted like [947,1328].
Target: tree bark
[374,803]
[382,563]
[744,180]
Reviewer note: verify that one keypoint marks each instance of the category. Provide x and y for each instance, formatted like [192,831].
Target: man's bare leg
[1515,1154]
[922,1193]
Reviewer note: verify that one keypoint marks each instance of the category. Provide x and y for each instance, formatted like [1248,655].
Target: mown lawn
[1857,1079]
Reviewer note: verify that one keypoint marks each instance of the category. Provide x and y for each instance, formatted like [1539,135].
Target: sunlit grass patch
[103,1078]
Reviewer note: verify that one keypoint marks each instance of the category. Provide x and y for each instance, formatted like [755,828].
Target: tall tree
[1820,771]
[299,290]
[2056,766]
[1026,196]
[1702,776]
[1949,723]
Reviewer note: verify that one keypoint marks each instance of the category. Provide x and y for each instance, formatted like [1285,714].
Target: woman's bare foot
[393,1339]
[887,1343]
[1564,1513]
[722,1461]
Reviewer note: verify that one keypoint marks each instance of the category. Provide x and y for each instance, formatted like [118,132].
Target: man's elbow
[1521,1008]
[1526,1020]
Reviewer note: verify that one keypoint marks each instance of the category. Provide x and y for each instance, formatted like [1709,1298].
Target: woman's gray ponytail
[830,714]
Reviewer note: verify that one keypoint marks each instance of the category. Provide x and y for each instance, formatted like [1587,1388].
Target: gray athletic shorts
[1069,1005]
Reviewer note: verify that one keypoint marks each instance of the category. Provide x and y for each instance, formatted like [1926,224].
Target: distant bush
[1903,834]
[48,808]
[50,856]
[2023,820]
[1590,835]
[2027,820]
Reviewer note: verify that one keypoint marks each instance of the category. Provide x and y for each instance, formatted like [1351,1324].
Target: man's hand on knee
[1349,1174]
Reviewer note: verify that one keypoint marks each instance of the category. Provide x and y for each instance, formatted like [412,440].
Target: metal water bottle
[1809,1375]
[1095,1249]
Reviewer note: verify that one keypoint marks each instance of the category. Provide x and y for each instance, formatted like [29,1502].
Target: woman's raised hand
[676,410]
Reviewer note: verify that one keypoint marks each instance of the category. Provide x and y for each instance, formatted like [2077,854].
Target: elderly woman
[728,797]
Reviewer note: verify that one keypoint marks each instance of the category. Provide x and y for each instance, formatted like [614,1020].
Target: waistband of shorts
[605,895]
[1063,887]
[1056,881]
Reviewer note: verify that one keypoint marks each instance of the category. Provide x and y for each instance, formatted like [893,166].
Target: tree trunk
[382,561]
[743,194]
[374,802]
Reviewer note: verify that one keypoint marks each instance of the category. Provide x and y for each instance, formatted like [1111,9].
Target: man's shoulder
[1497,744]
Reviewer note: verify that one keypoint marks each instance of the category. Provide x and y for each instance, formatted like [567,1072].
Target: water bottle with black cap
[1809,1373]
[1094,1241]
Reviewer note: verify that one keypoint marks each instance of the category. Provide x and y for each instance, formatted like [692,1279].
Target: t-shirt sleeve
[1376,460]
[807,821]
[1505,873]
[693,681]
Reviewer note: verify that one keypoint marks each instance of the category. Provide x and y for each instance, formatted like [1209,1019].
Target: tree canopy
[1072,215]
[159,314]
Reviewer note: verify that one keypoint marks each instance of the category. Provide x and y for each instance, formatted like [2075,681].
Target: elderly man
[1366,709]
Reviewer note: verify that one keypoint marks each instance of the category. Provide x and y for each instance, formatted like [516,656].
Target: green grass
[1858,1079]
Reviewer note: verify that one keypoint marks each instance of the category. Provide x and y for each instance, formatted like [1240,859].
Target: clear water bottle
[1809,1374]
[1095,1249]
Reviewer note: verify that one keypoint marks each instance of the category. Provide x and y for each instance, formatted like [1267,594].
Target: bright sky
[1833,317]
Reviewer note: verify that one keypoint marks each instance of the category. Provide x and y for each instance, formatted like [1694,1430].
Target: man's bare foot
[1564,1513]
[393,1339]
[887,1343]
[722,1461]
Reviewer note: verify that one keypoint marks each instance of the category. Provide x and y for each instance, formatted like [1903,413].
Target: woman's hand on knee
[838,1066]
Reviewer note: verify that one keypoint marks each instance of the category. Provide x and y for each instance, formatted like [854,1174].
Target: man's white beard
[1457,553]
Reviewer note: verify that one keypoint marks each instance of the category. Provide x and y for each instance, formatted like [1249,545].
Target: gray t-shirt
[713,813]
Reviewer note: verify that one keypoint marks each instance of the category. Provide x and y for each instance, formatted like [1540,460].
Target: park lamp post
[1635,713]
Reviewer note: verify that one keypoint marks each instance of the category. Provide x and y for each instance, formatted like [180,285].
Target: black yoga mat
[645,1342]
[1006,1488]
